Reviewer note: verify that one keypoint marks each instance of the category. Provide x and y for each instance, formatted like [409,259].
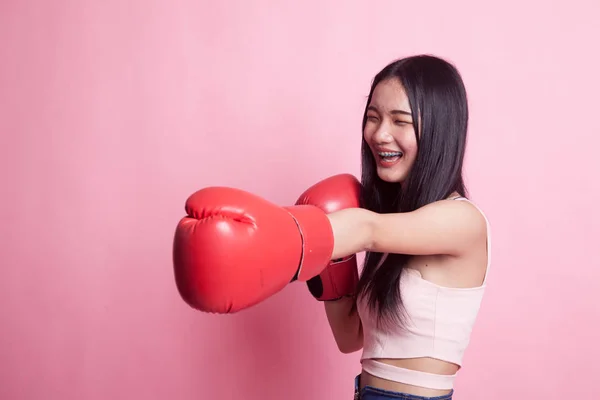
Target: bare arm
[444,227]
[346,327]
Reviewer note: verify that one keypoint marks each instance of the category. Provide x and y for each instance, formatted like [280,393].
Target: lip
[387,164]
[386,150]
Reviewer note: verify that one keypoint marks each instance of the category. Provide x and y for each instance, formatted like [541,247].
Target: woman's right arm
[345,324]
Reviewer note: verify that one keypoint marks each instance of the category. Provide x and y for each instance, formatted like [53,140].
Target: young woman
[427,246]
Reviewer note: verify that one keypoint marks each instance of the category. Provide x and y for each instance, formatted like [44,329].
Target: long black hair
[438,101]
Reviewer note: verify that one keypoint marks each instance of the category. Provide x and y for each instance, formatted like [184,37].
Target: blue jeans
[373,393]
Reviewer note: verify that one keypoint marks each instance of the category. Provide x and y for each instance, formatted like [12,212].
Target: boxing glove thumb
[338,280]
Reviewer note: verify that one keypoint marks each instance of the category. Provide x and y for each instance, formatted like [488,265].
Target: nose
[382,135]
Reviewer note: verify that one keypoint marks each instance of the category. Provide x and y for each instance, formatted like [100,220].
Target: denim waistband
[373,393]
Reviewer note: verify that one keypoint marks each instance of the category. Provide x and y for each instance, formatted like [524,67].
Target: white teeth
[390,154]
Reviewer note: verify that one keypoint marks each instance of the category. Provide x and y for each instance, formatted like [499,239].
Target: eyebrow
[392,111]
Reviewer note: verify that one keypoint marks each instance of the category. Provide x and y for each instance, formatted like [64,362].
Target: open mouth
[389,157]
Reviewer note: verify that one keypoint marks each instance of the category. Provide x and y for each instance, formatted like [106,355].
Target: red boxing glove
[340,277]
[235,249]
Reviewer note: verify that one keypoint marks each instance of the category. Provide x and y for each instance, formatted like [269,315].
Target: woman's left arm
[444,227]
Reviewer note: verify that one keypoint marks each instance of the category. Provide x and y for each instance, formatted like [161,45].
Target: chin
[390,176]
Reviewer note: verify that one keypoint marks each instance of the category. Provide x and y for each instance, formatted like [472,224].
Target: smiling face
[389,131]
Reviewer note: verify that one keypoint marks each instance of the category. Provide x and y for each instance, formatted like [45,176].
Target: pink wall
[112,113]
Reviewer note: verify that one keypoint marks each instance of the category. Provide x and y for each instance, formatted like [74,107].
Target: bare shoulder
[448,227]
[468,221]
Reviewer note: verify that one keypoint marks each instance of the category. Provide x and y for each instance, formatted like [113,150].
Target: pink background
[113,112]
